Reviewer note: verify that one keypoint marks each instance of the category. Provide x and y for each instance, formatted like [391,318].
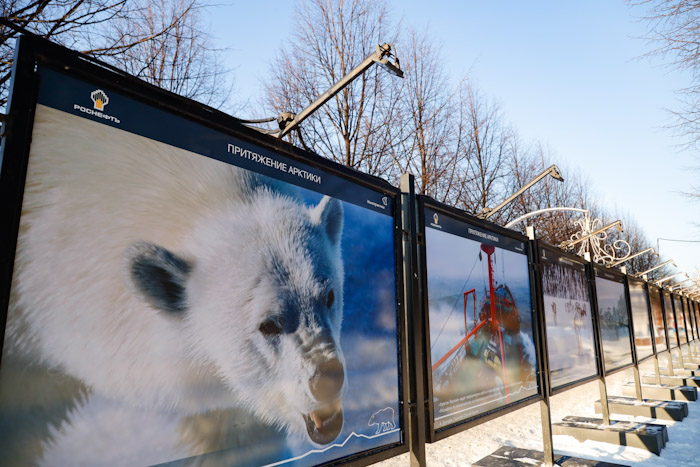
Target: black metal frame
[664,293]
[461,216]
[647,298]
[690,320]
[693,317]
[615,276]
[32,51]
[658,291]
[677,301]
[558,253]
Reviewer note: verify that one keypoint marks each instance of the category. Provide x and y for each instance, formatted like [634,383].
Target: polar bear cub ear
[329,212]
[158,275]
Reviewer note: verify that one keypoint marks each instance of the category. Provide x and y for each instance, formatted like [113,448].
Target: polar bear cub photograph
[172,282]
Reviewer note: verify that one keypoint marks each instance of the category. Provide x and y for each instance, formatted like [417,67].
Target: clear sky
[565,73]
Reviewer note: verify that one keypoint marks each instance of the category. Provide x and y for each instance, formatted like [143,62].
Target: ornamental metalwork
[594,241]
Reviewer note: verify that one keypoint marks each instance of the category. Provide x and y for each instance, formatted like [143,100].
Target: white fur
[91,193]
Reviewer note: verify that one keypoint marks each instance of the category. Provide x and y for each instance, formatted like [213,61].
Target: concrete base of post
[649,436]
[667,393]
[662,410]
[507,456]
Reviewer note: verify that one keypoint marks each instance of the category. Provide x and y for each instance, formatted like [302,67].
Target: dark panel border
[555,253]
[645,288]
[463,217]
[32,51]
[616,276]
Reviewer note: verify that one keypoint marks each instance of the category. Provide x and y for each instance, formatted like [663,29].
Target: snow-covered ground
[522,429]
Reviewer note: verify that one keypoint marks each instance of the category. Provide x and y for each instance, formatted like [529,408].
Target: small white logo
[383,419]
[385,200]
[99,99]
[435,218]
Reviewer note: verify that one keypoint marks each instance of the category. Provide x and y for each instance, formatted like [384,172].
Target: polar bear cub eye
[270,328]
[330,299]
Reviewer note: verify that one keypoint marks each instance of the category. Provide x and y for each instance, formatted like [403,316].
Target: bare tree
[425,128]
[332,37]
[553,227]
[162,42]
[485,138]
[674,34]
[178,55]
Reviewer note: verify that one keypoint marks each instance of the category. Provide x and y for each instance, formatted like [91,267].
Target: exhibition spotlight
[657,267]
[688,290]
[661,281]
[552,170]
[617,263]
[680,285]
[382,55]
[570,243]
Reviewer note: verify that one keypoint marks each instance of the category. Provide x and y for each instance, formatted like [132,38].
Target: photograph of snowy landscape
[614,323]
[640,320]
[569,322]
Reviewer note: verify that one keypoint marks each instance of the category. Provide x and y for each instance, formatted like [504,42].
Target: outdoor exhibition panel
[670,319]
[681,325]
[568,317]
[614,319]
[639,304]
[690,319]
[480,325]
[191,275]
[657,319]
[690,314]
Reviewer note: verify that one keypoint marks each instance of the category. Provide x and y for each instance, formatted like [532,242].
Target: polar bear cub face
[258,292]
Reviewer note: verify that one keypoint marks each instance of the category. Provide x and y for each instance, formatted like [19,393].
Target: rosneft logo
[435,218]
[99,99]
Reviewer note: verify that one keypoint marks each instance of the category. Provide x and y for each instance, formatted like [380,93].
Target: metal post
[414,328]
[543,355]
[599,347]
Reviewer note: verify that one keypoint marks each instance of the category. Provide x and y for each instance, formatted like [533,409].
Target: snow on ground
[522,428]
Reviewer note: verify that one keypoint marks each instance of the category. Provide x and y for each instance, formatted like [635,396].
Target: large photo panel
[640,319]
[179,293]
[681,324]
[690,318]
[480,314]
[613,315]
[670,319]
[657,318]
[568,318]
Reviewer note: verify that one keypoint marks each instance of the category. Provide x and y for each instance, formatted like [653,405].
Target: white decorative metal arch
[542,211]
[592,237]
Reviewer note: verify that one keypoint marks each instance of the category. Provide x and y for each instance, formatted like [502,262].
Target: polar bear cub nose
[327,380]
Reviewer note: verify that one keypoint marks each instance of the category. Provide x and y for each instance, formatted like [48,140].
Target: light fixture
[660,281]
[657,267]
[551,170]
[570,243]
[635,255]
[679,285]
[288,121]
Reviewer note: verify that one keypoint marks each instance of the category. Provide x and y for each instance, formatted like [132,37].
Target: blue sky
[565,73]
